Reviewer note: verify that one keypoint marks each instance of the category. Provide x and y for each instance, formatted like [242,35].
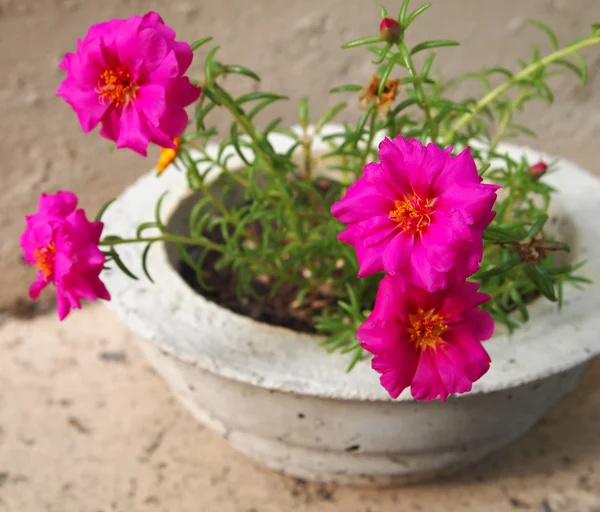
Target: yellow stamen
[426,328]
[116,87]
[44,259]
[167,156]
[412,214]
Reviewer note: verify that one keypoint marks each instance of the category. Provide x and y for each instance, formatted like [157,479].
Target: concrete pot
[278,397]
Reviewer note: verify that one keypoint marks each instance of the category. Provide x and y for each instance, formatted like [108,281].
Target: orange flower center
[44,258]
[116,88]
[412,214]
[426,328]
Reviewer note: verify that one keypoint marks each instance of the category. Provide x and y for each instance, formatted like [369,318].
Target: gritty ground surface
[86,426]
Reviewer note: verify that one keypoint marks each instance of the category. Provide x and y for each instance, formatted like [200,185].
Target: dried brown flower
[369,97]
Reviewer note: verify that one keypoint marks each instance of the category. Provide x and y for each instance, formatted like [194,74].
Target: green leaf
[384,77]
[583,68]
[512,262]
[596,29]
[208,65]
[537,225]
[383,12]
[346,88]
[143,227]
[383,54]
[427,45]
[542,281]
[100,213]
[427,65]
[117,259]
[362,41]
[518,300]
[413,16]
[236,143]
[547,30]
[157,208]
[358,356]
[403,11]
[241,70]
[197,44]
[145,262]
[329,115]
[303,112]
[575,69]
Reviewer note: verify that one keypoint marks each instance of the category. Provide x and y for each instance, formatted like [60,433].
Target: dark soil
[282,309]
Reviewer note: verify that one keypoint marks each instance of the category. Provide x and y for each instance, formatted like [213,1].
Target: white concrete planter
[277,396]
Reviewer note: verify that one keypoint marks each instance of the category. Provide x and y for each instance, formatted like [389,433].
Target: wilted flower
[63,245]
[420,211]
[390,30]
[369,96]
[167,156]
[128,75]
[428,341]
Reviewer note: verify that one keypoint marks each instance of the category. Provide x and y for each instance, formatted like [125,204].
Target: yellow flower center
[426,328]
[412,214]
[116,87]
[44,258]
[167,156]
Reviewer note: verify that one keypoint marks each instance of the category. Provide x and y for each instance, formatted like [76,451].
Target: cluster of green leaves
[272,214]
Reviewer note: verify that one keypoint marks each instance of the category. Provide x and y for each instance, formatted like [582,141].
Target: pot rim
[170,314]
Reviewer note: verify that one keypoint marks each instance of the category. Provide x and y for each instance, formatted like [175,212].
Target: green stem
[370,138]
[405,52]
[525,72]
[260,268]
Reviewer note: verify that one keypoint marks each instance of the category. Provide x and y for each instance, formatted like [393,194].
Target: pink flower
[390,30]
[63,244]
[538,170]
[128,75]
[419,213]
[428,341]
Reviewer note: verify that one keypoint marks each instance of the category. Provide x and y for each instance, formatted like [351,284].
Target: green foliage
[268,213]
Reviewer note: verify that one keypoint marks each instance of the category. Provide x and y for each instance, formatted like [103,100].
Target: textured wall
[295,48]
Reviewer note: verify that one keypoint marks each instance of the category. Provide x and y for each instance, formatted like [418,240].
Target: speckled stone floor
[87,426]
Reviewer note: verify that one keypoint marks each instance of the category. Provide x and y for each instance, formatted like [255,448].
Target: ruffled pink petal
[362,201]
[62,203]
[481,323]
[150,102]
[91,257]
[427,383]
[152,48]
[110,124]
[182,92]
[461,297]
[369,258]
[475,359]
[184,54]
[166,71]
[173,122]
[62,305]
[373,230]
[397,366]
[394,169]
[427,164]
[459,170]
[38,285]
[132,134]
[62,265]
[423,273]
[398,252]
[377,336]
[451,365]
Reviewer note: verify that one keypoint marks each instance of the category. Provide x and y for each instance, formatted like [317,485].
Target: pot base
[366,443]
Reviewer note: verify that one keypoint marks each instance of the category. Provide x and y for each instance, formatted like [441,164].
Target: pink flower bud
[390,30]
[538,170]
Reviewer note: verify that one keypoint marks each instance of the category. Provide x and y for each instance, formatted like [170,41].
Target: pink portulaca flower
[419,211]
[63,244]
[430,341]
[128,75]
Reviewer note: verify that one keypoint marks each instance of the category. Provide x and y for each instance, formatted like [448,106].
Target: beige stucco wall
[293,45]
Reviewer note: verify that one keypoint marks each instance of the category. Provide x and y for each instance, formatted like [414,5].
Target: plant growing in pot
[251,259]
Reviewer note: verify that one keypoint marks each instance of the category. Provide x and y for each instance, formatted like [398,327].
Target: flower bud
[390,30]
[538,170]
